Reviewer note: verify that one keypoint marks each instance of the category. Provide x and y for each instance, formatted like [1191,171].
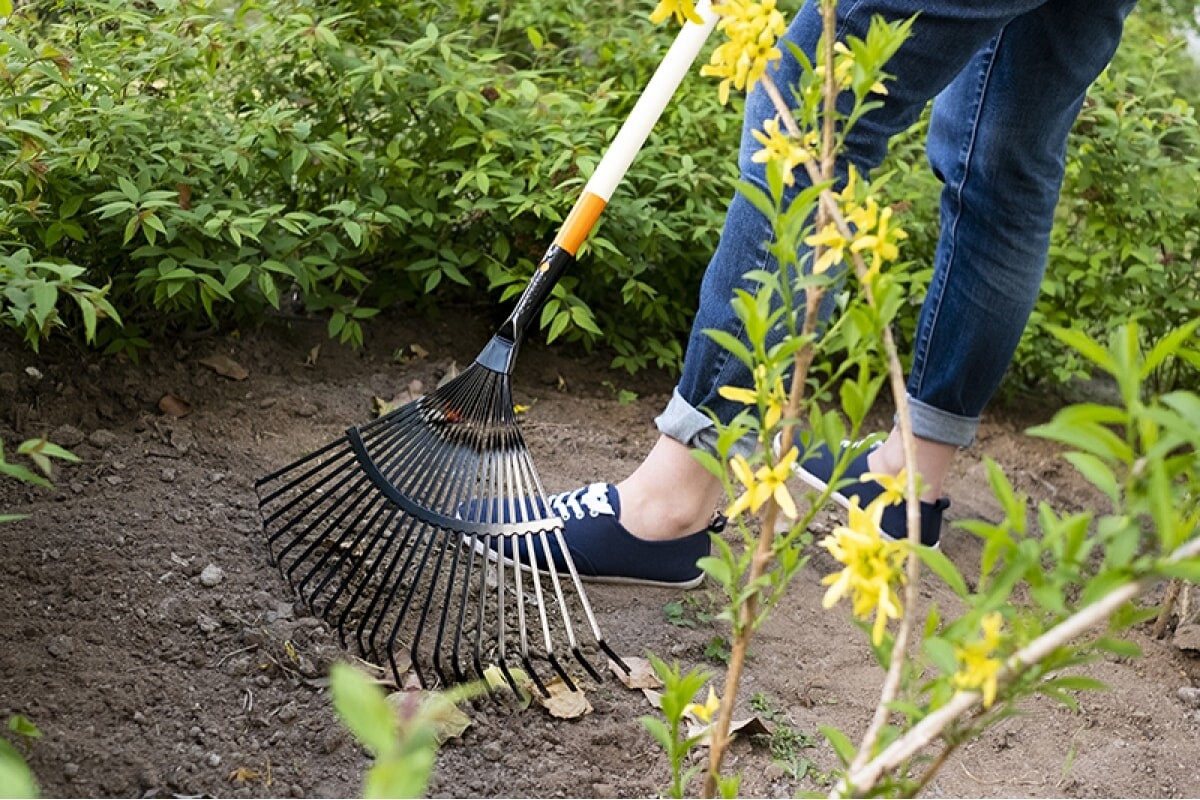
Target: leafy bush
[191,162]
[202,161]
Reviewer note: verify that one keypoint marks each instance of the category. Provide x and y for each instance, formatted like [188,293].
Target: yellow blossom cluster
[874,566]
[682,10]
[978,666]
[873,234]
[766,481]
[752,29]
[779,147]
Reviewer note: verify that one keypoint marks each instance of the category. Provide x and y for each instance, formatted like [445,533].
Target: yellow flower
[776,400]
[834,245]
[882,243]
[763,484]
[751,28]
[705,712]
[978,669]
[779,146]
[681,9]
[893,486]
[873,567]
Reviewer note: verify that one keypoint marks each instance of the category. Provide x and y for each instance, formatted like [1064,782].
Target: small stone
[211,575]
[167,475]
[139,718]
[307,668]
[213,760]
[1187,637]
[262,680]
[67,436]
[287,713]
[196,733]
[70,770]
[604,790]
[207,624]
[216,477]
[34,373]
[493,751]
[1190,696]
[61,647]
[113,480]
[305,410]
[102,439]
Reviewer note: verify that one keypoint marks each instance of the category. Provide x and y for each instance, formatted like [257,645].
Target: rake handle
[599,188]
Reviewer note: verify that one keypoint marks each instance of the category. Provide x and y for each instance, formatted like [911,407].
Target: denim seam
[968,150]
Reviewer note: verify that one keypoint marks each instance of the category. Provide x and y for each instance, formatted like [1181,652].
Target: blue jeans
[1009,79]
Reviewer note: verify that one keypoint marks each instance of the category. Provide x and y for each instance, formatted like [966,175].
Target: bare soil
[149,637]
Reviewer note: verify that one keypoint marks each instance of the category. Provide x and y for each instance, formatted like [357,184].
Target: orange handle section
[580,221]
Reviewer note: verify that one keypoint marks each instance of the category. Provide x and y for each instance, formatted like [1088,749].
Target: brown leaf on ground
[641,673]
[174,406]
[433,709]
[311,359]
[226,367]
[562,702]
[750,726]
[379,406]
[243,775]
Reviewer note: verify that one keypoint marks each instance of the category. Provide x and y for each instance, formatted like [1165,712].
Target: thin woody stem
[929,728]
[891,682]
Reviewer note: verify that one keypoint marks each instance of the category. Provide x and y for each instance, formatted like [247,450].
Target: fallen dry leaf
[243,775]
[418,351]
[379,406]
[653,697]
[434,709]
[641,673]
[174,406]
[311,359]
[562,702]
[750,726]
[225,366]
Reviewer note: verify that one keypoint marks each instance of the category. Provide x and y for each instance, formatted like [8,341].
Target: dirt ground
[149,637]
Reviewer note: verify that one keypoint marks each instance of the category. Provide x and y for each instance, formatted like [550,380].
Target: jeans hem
[941,426]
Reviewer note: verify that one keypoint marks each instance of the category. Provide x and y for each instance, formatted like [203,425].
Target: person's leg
[671,494]
[997,139]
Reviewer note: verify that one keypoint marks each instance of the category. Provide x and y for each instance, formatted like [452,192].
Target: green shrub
[193,162]
[202,161]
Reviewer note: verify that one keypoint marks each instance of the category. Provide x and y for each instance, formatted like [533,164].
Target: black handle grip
[551,268]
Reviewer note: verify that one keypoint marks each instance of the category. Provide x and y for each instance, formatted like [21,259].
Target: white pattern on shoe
[570,505]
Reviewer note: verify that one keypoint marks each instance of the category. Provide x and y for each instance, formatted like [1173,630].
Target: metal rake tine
[424,611]
[347,556]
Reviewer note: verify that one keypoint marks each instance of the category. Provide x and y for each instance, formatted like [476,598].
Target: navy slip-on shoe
[817,469]
[604,551]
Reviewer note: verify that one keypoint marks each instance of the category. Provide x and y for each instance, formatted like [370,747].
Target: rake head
[391,533]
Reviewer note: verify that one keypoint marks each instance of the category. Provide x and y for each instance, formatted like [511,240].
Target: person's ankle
[933,462]
[658,516]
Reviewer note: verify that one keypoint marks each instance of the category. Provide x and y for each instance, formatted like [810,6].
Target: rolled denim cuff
[941,426]
[689,426]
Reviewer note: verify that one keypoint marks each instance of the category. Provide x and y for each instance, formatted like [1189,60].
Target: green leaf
[941,653]
[363,708]
[22,726]
[129,189]
[936,560]
[717,569]
[841,743]
[1119,647]
[1098,473]
[16,779]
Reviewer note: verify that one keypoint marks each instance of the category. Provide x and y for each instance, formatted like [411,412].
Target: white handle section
[650,105]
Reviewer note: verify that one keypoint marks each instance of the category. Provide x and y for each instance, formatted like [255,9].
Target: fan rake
[391,533]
